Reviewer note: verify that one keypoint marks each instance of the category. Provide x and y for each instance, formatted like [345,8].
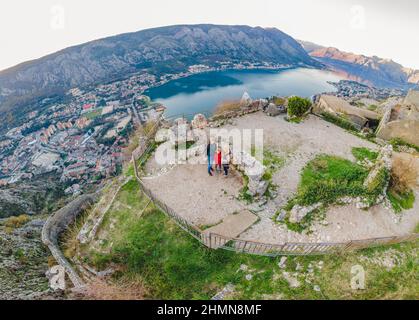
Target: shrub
[297,106]
[16,222]
[401,201]
[402,179]
[403,174]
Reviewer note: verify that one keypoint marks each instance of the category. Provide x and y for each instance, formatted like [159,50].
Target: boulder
[162,135]
[298,213]
[291,279]
[281,216]
[282,262]
[246,100]
[263,103]
[257,187]
[181,133]
[254,170]
[199,122]
[274,110]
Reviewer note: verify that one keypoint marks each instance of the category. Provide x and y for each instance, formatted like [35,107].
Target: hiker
[218,160]
[210,154]
[226,158]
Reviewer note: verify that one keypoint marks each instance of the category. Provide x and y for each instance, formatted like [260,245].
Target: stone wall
[57,224]
[219,120]
[385,119]
[406,130]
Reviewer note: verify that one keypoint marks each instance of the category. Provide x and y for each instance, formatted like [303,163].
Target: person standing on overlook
[226,159]
[210,154]
[218,160]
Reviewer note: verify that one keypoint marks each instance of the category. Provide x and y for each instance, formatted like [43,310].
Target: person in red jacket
[218,159]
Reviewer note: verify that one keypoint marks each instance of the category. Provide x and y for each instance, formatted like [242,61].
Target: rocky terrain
[161,50]
[41,195]
[374,70]
[23,262]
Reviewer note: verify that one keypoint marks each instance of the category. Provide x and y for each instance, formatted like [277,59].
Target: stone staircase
[231,227]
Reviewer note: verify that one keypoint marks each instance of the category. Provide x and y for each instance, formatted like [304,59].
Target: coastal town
[82,137]
[82,140]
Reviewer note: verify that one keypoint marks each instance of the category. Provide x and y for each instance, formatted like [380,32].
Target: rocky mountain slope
[375,70]
[23,262]
[42,195]
[166,49]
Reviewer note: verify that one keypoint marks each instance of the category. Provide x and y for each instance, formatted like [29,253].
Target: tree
[298,106]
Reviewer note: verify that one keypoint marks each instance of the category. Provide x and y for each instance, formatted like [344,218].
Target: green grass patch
[147,155]
[340,122]
[173,265]
[376,186]
[364,153]
[243,194]
[296,120]
[328,178]
[401,201]
[325,180]
[272,162]
[397,142]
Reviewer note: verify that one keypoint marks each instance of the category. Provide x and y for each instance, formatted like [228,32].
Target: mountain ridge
[376,70]
[170,48]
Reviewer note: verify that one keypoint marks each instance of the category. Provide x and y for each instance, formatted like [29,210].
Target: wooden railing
[212,240]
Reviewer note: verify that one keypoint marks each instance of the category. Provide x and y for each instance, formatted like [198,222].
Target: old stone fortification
[58,223]
[338,106]
[403,129]
[90,228]
[402,121]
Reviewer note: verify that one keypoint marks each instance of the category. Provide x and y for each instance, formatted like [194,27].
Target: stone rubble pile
[199,122]
[298,213]
[383,162]
[254,170]
[273,110]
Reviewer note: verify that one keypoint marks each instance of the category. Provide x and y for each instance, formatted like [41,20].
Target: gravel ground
[193,194]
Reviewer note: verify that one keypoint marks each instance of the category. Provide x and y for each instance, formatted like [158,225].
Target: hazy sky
[30,29]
